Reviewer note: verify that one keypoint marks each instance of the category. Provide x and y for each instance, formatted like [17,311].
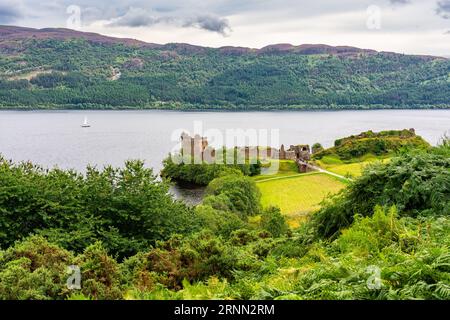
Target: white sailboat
[85,123]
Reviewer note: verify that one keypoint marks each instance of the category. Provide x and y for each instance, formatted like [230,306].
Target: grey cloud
[139,17]
[135,17]
[210,23]
[400,1]
[165,8]
[207,15]
[8,13]
[443,9]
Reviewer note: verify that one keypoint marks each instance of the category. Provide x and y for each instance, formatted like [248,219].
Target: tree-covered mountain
[60,68]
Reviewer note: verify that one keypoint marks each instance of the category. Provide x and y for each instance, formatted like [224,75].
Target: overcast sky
[406,26]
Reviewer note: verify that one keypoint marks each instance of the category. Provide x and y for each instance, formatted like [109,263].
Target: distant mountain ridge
[8,33]
[62,68]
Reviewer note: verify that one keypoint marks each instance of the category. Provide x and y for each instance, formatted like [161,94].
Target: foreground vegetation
[385,236]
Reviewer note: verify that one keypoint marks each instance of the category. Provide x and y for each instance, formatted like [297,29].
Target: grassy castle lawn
[299,194]
[279,169]
[350,169]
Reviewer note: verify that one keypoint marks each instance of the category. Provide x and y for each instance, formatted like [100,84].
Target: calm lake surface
[55,138]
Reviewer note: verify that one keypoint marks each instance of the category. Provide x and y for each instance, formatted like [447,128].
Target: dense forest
[385,236]
[74,70]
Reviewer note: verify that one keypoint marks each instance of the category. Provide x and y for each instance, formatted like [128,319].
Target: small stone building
[193,147]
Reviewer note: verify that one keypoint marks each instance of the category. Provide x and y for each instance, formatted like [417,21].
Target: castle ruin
[197,150]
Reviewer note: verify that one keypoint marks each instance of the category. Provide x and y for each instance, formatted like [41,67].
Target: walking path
[296,175]
[323,170]
[316,170]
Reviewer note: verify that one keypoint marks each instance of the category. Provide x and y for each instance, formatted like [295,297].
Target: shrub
[127,209]
[220,222]
[273,221]
[242,192]
[316,147]
[204,173]
[417,183]
[100,274]
[34,269]
[37,269]
[195,258]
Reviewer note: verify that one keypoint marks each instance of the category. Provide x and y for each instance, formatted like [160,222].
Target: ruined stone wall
[197,148]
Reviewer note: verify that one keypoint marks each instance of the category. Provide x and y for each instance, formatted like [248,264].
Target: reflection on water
[191,194]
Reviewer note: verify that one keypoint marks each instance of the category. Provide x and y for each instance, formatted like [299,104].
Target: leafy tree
[273,221]
[316,147]
[204,173]
[127,209]
[242,192]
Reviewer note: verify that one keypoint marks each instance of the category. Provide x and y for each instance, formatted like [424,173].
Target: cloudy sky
[407,26]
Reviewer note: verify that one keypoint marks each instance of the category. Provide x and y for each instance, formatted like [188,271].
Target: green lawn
[299,194]
[279,168]
[353,169]
[350,169]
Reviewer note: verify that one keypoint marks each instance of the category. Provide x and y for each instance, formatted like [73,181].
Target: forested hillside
[58,68]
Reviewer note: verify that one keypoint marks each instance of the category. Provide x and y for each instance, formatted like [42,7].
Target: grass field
[350,169]
[353,169]
[297,195]
[279,168]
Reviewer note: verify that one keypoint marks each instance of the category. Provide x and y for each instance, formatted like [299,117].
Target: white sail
[85,123]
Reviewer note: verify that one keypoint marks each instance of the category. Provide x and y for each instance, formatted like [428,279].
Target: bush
[127,209]
[417,183]
[316,147]
[37,269]
[221,223]
[242,192]
[100,274]
[273,221]
[196,258]
[34,269]
[219,202]
[203,174]
[412,259]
